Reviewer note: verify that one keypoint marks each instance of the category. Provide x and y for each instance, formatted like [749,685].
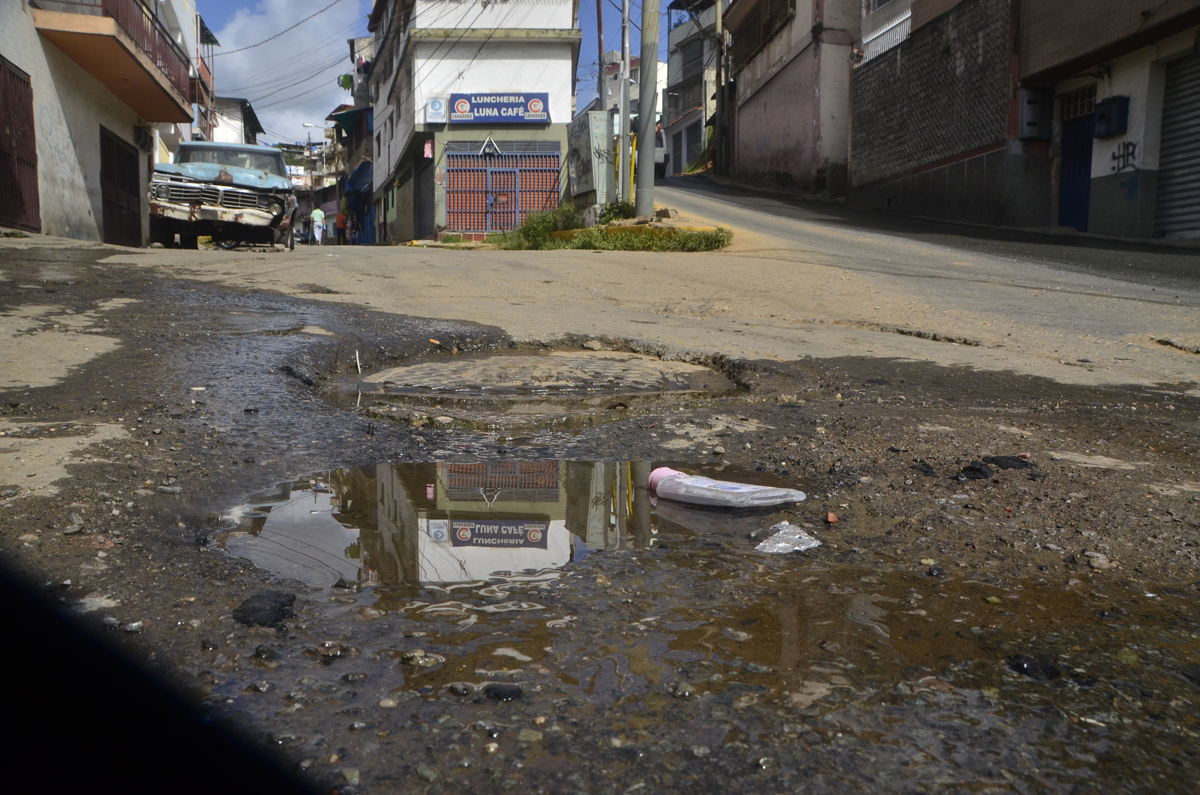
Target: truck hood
[242,177]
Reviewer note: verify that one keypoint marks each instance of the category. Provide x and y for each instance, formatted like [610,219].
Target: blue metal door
[496,193]
[1076,183]
[502,190]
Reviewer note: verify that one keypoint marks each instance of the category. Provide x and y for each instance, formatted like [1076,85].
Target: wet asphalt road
[1034,631]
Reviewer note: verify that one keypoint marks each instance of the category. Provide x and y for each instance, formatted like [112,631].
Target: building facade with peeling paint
[791,67]
[91,95]
[472,102]
[1041,113]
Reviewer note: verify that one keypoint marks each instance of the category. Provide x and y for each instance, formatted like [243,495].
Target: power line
[274,83]
[297,96]
[280,33]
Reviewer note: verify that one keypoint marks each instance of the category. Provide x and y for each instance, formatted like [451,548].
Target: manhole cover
[561,373]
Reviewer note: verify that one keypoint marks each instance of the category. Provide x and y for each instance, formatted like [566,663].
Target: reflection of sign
[513,533]
[499,108]
[439,530]
[435,111]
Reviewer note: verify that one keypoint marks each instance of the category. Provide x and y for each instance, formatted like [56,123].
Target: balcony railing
[150,35]
[205,72]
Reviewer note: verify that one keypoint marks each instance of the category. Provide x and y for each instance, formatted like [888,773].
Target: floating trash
[787,538]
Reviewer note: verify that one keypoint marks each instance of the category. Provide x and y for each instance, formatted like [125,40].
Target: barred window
[759,26]
[1080,102]
[693,58]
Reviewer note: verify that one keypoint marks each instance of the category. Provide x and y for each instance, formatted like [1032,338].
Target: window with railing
[143,26]
[693,59]
[758,27]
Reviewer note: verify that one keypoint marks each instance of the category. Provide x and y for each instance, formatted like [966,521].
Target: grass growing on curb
[632,239]
[536,235]
[617,211]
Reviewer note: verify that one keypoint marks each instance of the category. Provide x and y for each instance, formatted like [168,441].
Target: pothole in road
[559,387]
[661,629]
[443,523]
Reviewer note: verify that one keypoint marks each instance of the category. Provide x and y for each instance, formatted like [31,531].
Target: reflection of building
[296,531]
[442,522]
[462,522]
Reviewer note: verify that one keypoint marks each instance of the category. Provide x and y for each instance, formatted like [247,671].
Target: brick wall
[941,93]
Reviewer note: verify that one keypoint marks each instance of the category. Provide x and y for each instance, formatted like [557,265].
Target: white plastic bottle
[670,484]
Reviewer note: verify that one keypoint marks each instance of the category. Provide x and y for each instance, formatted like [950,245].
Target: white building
[472,101]
[612,82]
[86,83]
[234,121]
[692,52]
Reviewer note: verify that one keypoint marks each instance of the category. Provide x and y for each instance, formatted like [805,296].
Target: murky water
[653,641]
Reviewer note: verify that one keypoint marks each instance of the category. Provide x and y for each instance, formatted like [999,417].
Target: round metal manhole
[562,373]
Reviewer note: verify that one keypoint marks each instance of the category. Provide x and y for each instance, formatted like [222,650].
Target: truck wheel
[291,238]
[188,240]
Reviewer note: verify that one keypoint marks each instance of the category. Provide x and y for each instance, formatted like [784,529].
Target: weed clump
[617,211]
[537,234]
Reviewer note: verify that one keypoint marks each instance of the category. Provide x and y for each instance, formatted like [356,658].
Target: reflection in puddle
[442,523]
[655,639]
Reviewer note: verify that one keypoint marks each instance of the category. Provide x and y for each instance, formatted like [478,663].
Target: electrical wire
[265,83]
[280,33]
[301,94]
[266,90]
[323,73]
[478,51]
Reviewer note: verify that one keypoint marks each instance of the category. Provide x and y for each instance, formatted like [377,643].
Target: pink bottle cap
[657,475]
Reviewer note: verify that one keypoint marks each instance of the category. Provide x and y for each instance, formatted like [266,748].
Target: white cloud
[292,79]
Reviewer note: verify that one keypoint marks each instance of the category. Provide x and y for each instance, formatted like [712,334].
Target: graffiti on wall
[1125,157]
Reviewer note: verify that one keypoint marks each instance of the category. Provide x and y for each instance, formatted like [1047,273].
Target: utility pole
[719,123]
[647,102]
[623,123]
[600,96]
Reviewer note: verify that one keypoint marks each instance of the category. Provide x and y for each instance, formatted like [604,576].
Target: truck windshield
[269,162]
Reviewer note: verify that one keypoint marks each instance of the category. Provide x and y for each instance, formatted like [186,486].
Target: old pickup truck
[235,193]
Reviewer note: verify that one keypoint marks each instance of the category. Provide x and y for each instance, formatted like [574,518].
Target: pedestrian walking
[318,224]
[341,227]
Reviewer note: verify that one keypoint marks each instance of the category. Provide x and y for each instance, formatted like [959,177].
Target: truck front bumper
[207,214]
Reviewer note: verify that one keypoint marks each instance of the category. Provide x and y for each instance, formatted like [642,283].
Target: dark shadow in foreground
[82,717]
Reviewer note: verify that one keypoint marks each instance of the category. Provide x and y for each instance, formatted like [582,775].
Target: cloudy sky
[291,79]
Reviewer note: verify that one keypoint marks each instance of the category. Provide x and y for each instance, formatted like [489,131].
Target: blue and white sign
[439,530]
[435,111]
[499,108]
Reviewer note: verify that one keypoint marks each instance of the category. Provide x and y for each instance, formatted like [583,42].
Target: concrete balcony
[126,49]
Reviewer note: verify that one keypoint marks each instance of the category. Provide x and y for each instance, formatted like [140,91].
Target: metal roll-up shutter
[425,202]
[1178,211]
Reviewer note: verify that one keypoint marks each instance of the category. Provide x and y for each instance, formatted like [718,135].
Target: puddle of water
[656,631]
[446,523]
